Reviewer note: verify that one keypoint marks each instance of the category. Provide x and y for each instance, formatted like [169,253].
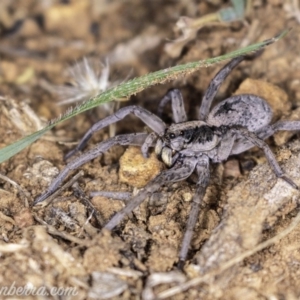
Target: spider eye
[172,135]
[181,133]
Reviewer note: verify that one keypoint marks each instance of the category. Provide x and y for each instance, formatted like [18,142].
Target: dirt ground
[61,244]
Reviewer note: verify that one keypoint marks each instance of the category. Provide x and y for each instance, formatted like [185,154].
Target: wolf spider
[231,127]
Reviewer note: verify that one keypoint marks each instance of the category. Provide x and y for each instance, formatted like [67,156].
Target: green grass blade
[132,87]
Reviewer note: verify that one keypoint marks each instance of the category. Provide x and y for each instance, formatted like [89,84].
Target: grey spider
[231,127]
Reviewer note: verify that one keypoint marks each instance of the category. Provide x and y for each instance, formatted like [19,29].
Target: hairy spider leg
[136,139]
[224,148]
[215,85]
[279,126]
[202,169]
[149,142]
[251,137]
[178,110]
[151,120]
[180,171]
[243,144]
[123,196]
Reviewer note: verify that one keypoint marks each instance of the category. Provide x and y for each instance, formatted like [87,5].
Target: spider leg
[124,196]
[202,169]
[243,144]
[224,148]
[156,199]
[151,120]
[179,114]
[149,141]
[278,126]
[215,85]
[252,138]
[180,171]
[126,139]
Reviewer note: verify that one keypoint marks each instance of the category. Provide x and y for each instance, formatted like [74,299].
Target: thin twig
[61,189]
[78,192]
[7,248]
[13,183]
[7,218]
[125,272]
[65,235]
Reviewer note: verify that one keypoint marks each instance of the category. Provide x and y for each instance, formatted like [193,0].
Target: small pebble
[136,170]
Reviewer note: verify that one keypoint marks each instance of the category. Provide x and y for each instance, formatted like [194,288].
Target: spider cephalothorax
[191,134]
[231,127]
[186,139]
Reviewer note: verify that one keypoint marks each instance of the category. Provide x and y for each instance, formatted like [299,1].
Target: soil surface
[61,244]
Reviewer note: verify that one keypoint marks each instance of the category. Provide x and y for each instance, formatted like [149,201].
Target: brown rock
[29,29]
[137,170]
[69,20]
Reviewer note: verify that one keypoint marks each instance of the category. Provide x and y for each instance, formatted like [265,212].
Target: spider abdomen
[245,110]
